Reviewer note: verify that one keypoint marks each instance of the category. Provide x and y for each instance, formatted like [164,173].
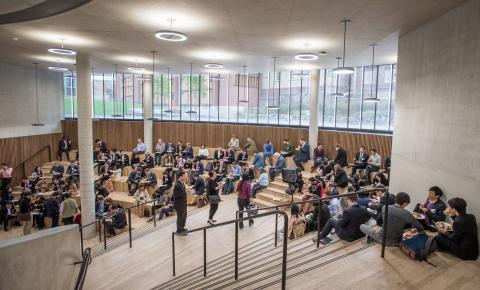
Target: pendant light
[306,55]
[37,124]
[302,73]
[245,86]
[152,113]
[336,93]
[169,110]
[62,50]
[273,105]
[190,91]
[136,68]
[344,70]
[372,99]
[171,35]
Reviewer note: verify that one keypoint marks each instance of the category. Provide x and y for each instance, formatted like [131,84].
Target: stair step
[278,185]
[271,197]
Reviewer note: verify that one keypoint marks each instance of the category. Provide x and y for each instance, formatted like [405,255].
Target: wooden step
[278,184]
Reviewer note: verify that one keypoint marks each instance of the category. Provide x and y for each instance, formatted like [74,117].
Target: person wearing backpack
[462,241]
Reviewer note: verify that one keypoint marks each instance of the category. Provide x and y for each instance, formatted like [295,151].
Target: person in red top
[244,189]
[6,176]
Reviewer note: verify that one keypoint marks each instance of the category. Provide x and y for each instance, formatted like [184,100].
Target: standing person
[303,154]
[24,215]
[244,189]
[341,157]
[64,146]
[180,202]
[212,194]
[268,152]
[68,209]
[6,176]
[250,147]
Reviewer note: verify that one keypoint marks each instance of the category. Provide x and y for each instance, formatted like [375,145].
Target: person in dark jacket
[340,178]
[119,219]
[199,185]
[348,226]
[462,241]
[134,179]
[149,161]
[361,159]
[433,208]
[180,202]
[279,165]
[52,208]
[341,157]
[212,190]
[319,156]
[8,213]
[64,146]
[303,154]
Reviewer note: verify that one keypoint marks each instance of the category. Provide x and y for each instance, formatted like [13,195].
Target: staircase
[260,264]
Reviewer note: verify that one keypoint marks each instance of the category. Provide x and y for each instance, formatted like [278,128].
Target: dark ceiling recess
[45,9]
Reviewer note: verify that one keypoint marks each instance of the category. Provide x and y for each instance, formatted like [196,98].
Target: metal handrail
[86,260]
[236,221]
[22,164]
[319,200]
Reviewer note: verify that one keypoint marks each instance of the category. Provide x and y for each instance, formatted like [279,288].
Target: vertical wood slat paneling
[123,134]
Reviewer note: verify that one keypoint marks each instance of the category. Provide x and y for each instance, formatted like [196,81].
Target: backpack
[299,229]
[418,247]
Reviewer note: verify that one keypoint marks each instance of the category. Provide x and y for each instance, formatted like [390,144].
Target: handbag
[214,199]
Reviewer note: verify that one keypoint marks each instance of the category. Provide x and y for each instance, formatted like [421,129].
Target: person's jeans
[67,221]
[298,162]
[228,187]
[242,205]
[256,187]
[272,172]
[331,224]
[370,230]
[368,170]
[269,156]
[212,211]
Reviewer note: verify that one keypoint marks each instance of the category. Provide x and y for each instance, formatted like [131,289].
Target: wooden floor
[148,263]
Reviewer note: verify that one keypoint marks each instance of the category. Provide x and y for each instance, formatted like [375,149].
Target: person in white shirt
[141,196]
[159,151]
[234,142]
[202,152]
[374,163]
[139,149]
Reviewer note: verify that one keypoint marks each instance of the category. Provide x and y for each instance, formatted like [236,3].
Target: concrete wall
[18,101]
[43,260]
[437,128]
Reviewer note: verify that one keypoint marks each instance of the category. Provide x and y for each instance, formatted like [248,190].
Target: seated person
[101,208]
[198,187]
[160,151]
[268,152]
[181,148]
[202,153]
[334,207]
[261,183]
[348,226]
[124,159]
[196,168]
[57,170]
[361,158]
[8,214]
[373,164]
[119,220]
[242,157]
[101,189]
[73,172]
[297,185]
[139,149]
[167,182]
[28,184]
[220,168]
[375,205]
[359,179]
[134,179]
[319,156]
[188,164]
[234,142]
[303,154]
[315,190]
[287,149]
[166,208]
[167,159]
[230,158]
[380,180]
[234,175]
[433,208]
[141,196]
[279,165]
[150,178]
[462,241]
[149,161]
[188,153]
[218,154]
[296,220]
[398,219]
[340,178]
[258,161]
[341,157]
[179,162]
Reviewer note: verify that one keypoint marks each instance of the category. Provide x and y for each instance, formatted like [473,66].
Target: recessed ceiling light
[57,68]
[62,50]
[306,56]
[213,65]
[15,38]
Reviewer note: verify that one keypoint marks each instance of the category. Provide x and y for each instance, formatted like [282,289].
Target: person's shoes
[211,222]
[130,194]
[181,233]
[325,241]
[369,240]
[214,221]
[150,219]
[250,223]
[240,225]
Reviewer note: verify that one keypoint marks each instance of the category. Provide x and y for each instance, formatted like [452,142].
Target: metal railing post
[204,252]
[284,259]
[153,213]
[104,234]
[319,217]
[81,237]
[385,223]
[173,253]
[276,228]
[100,230]
[130,226]
[236,248]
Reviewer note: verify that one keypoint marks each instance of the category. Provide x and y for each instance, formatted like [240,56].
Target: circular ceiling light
[343,70]
[62,51]
[213,65]
[57,68]
[371,100]
[136,69]
[170,35]
[306,56]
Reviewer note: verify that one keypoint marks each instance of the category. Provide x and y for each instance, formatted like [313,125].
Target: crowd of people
[209,176]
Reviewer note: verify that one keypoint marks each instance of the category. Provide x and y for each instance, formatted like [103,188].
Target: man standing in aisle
[180,202]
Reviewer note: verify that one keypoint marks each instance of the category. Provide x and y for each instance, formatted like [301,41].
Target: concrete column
[313,125]
[147,113]
[85,142]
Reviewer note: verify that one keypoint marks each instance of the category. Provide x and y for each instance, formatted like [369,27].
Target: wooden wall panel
[123,134]
[16,150]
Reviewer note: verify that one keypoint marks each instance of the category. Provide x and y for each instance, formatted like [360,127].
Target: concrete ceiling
[232,32]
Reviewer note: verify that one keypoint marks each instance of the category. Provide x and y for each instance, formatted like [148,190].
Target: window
[255,98]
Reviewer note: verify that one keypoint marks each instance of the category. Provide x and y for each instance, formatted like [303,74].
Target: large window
[256,98]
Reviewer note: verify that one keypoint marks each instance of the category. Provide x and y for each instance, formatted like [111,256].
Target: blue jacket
[280,164]
[268,149]
[304,153]
[258,161]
